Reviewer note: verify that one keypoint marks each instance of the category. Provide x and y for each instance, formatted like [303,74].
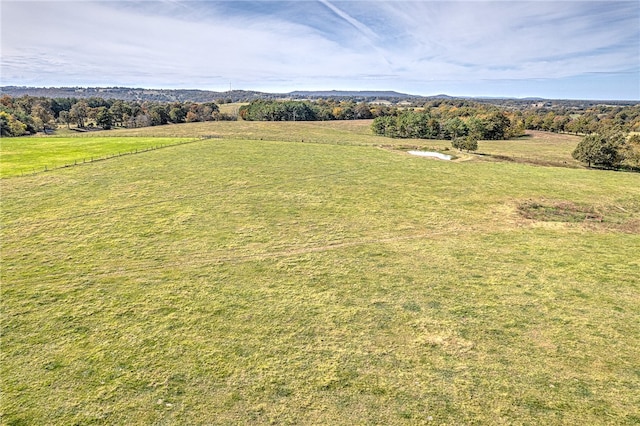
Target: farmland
[297,273]
[26,155]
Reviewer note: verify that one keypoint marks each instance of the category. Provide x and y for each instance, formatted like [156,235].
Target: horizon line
[411,95]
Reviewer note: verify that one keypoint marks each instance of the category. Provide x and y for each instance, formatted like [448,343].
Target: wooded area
[30,115]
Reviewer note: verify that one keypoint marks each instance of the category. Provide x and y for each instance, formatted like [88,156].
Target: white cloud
[503,35]
[119,43]
[357,45]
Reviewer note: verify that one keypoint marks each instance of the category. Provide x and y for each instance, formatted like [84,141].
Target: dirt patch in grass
[625,219]
[523,160]
[558,211]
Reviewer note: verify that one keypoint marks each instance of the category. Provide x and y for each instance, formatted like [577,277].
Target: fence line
[105,157]
[198,139]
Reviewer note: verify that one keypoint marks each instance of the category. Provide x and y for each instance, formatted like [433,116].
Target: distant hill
[137,94]
[193,95]
[351,94]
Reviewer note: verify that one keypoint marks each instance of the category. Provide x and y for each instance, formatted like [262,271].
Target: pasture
[27,155]
[259,279]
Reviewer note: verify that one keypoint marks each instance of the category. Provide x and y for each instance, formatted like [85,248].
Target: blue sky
[553,49]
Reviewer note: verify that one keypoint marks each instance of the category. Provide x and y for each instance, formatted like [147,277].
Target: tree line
[610,149]
[559,119]
[594,119]
[319,110]
[29,115]
[447,120]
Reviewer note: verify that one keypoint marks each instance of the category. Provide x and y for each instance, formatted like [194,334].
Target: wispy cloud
[288,45]
[363,29]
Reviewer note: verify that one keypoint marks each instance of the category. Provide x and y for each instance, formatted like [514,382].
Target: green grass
[231,108]
[542,148]
[260,282]
[26,155]
[354,132]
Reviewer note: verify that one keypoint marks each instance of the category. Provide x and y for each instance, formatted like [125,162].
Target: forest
[29,115]
[319,110]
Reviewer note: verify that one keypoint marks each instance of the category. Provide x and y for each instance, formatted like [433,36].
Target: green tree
[577,125]
[64,118]
[547,121]
[385,126]
[588,150]
[496,126]
[362,111]
[5,130]
[468,143]
[10,125]
[104,118]
[477,128]
[517,126]
[120,111]
[42,117]
[177,114]
[455,128]
[158,115]
[600,150]
[631,151]
[79,112]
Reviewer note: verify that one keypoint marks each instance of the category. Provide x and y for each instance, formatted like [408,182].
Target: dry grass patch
[558,211]
[613,216]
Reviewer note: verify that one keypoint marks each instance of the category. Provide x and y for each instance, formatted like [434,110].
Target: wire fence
[103,157]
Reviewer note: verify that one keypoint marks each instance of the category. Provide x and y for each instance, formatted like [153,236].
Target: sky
[551,49]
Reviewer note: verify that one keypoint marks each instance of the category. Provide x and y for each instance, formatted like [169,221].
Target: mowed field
[28,155]
[260,279]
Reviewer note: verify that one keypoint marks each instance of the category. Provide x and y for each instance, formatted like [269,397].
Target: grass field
[232,108]
[33,154]
[355,132]
[247,281]
[542,148]
[539,148]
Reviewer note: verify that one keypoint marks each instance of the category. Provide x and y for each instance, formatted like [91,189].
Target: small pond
[431,154]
